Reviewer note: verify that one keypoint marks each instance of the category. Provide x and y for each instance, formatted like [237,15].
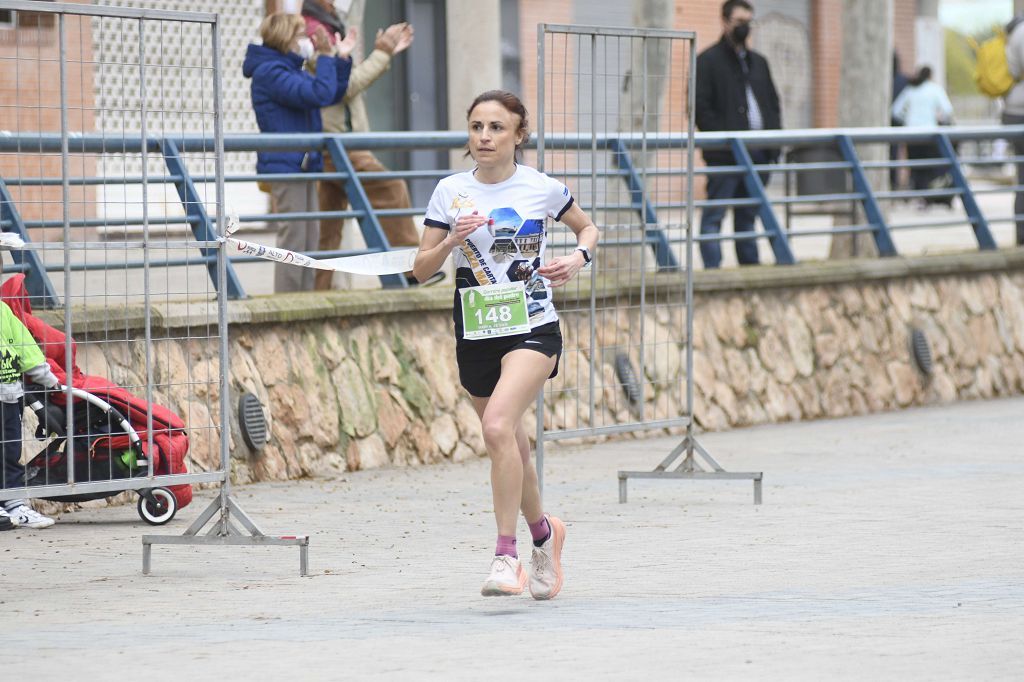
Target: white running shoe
[24,516]
[507,577]
[5,520]
[546,563]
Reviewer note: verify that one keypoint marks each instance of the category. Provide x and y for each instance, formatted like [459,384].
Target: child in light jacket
[19,355]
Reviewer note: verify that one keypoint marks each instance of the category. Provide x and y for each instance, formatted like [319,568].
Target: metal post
[690,153]
[147,314]
[981,230]
[200,223]
[368,223]
[655,236]
[539,448]
[37,282]
[65,185]
[883,239]
[755,188]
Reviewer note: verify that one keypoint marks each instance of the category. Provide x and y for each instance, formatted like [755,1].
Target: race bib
[494,310]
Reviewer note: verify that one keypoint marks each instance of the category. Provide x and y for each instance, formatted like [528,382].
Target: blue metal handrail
[175,148]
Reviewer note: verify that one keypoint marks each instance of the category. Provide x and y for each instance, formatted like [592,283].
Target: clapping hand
[321,41]
[347,44]
[394,39]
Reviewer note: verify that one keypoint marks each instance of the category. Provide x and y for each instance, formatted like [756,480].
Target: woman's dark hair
[923,74]
[513,105]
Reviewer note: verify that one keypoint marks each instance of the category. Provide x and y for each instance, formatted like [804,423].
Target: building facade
[462,47]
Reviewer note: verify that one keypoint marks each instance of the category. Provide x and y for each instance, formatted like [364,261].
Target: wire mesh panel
[615,126]
[114,282]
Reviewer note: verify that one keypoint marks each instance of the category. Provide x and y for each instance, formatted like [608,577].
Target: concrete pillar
[648,14]
[865,92]
[1018,7]
[474,58]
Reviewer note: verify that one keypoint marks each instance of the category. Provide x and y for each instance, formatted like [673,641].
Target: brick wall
[30,96]
[905,12]
[703,16]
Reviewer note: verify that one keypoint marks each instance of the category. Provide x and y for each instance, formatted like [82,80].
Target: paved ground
[887,547]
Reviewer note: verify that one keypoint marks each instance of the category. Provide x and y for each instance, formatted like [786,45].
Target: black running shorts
[480,360]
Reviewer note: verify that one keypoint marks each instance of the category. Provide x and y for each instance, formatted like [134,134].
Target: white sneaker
[546,563]
[24,516]
[507,577]
[5,520]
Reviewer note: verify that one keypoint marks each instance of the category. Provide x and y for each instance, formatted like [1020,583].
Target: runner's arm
[437,243]
[562,269]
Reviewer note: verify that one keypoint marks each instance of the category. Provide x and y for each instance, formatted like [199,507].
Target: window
[36,19]
[10,18]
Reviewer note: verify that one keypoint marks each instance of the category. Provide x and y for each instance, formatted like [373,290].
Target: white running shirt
[511,247]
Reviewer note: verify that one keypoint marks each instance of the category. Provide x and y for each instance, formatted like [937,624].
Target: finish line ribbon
[384,263]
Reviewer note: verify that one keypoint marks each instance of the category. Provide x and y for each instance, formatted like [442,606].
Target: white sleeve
[437,209]
[899,107]
[945,106]
[559,199]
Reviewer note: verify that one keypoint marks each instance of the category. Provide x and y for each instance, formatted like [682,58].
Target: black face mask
[740,33]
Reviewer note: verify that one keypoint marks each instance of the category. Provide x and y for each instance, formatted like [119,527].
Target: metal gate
[94,178]
[615,123]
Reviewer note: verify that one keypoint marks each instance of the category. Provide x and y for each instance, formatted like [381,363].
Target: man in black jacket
[734,92]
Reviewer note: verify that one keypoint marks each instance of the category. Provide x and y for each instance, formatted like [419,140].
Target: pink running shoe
[507,577]
[546,563]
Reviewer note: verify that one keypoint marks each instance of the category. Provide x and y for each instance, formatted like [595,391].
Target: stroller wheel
[157,506]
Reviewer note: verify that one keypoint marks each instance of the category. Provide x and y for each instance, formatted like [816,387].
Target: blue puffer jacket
[287,99]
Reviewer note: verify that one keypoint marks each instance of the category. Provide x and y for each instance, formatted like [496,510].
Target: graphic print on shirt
[510,244]
[481,272]
[529,236]
[503,224]
[536,291]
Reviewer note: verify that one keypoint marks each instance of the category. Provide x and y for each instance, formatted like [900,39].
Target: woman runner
[508,340]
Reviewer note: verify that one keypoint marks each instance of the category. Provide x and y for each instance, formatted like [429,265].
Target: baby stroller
[110,441]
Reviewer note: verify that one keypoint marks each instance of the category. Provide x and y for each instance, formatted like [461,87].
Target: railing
[622,149]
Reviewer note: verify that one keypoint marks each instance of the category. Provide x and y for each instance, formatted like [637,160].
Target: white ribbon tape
[383,263]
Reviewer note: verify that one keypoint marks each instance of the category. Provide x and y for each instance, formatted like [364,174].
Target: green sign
[494,310]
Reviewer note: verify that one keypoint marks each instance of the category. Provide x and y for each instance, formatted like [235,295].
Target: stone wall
[357,380]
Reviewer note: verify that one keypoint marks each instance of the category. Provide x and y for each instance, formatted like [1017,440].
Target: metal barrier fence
[627,359]
[820,169]
[144,400]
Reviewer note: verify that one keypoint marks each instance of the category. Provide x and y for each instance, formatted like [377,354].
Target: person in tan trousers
[350,115]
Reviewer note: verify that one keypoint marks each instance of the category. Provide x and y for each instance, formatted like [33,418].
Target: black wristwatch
[586,254]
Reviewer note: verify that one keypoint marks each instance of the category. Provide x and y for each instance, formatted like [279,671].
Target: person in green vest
[19,355]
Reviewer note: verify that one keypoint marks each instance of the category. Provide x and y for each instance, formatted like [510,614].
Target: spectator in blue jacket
[287,99]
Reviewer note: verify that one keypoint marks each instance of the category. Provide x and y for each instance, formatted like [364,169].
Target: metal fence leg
[883,240]
[37,282]
[368,224]
[200,219]
[977,218]
[755,188]
[663,254]
[225,532]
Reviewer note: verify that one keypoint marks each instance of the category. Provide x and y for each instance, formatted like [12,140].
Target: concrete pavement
[888,546]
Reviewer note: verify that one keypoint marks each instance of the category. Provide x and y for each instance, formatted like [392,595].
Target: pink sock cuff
[540,529]
[506,546]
